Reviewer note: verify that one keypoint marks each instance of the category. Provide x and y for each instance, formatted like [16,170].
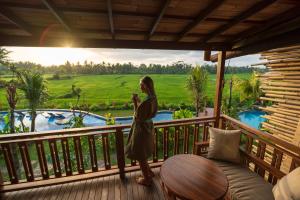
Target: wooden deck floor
[105,188]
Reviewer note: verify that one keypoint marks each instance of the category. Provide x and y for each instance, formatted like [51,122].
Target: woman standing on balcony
[140,141]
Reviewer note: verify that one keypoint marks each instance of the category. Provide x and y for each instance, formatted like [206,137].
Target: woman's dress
[140,144]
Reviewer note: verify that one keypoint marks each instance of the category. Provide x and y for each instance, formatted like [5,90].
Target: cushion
[288,187]
[224,145]
[245,184]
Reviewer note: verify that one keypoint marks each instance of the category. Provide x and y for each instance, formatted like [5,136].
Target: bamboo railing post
[120,152]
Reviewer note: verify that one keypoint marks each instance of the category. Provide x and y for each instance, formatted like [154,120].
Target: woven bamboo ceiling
[150,24]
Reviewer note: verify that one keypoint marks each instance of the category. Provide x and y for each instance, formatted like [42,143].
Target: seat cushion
[245,184]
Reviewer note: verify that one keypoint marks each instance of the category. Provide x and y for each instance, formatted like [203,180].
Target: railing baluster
[176,140]
[93,155]
[155,143]
[186,140]
[277,165]
[78,154]
[196,137]
[120,152]
[106,156]
[9,163]
[55,159]
[166,142]
[205,132]
[66,156]
[26,161]
[42,159]
[273,162]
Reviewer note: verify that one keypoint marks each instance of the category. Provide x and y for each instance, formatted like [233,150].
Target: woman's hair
[150,86]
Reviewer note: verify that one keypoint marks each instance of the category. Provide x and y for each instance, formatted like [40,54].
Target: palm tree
[34,87]
[250,88]
[196,83]
[12,99]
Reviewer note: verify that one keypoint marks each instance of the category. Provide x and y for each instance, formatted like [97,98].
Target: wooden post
[120,152]
[207,55]
[219,85]
[297,135]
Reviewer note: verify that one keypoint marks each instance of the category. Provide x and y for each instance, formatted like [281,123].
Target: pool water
[57,119]
[252,118]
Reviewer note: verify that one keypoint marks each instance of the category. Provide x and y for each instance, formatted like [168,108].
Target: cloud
[56,56]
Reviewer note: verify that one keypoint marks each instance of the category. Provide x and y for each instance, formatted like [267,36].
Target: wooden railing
[262,153]
[31,160]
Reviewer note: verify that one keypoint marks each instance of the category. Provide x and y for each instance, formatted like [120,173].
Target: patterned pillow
[224,145]
[288,187]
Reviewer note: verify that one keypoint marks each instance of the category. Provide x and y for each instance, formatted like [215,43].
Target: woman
[140,141]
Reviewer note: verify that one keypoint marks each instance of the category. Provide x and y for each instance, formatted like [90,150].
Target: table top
[193,177]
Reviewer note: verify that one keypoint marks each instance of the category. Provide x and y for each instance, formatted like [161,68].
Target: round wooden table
[189,176]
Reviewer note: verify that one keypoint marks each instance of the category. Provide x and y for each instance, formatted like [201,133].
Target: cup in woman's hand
[134,97]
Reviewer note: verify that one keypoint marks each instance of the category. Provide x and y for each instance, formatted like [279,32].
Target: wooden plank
[93,155]
[176,140]
[26,161]
[11,17]
[219,85]
[162,11]
[110,19]
[55,158]
[291,38]
[244,15]
[166,143]
[201,17]
[57,14]
[106,155]
[196,137]
[78,154]
[207,55]
[120,152]
[9,163]
[155,149]
[6,40]
[186,140]
[42,159]
[66,156]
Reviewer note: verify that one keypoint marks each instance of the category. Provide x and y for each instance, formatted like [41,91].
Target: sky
[56,56]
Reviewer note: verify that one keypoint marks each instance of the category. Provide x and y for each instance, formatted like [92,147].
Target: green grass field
[117,89]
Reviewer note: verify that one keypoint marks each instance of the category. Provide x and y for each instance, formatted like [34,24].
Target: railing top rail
[267,138]
[95,130]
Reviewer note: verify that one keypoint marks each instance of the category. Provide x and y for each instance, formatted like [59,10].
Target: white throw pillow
[288,187]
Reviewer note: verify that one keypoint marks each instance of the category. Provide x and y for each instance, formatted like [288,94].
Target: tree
[34,87]
[196,84]
[3,56]
[12,99]
[250,88]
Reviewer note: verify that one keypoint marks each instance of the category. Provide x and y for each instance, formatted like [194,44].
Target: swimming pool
[57,119]
[252,118]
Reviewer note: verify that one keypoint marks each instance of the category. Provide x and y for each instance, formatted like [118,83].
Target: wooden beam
[159,17]
[207,55]
[11,17]
[201,17]
[6,40]
[244,15]
[57,14]
[287,15]
[100,11]
[291,25]
[219,86]
[110,18]
[283,40]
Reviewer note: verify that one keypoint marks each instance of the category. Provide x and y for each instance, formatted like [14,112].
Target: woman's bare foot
[142,181]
